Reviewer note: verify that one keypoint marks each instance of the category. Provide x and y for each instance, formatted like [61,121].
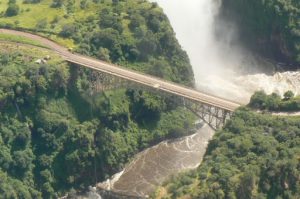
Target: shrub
[41,24]
[288,95]
[67,30]
[57,3]
[12,10]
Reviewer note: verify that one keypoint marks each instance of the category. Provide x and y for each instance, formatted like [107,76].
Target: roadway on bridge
[130,75]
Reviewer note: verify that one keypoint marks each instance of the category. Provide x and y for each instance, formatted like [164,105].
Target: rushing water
[216,55]
[213,60]
[152,166]
[240,88]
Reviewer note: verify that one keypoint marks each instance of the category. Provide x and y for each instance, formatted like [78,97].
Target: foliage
[57,3]
[131,33]
[268,26]
[31,1]
[253,156]
[19,39]
[288,95]
[12,10]
[56,133]
[55,136]
[260,100]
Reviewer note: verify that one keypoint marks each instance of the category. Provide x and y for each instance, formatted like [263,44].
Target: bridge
[213,110]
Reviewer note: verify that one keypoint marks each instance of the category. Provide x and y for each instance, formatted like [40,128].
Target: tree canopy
[55,136]
[130,33]
[254,156]
[270,27]
[260,100]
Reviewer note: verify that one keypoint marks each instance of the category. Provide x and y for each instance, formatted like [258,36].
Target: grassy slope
[85,21]
[19,39]
[31,14]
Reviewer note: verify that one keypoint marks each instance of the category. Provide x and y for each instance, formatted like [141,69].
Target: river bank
[152,166]
[213,60]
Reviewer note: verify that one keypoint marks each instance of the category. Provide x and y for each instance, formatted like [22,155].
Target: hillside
[253,156]
[256,154]
[132,33]
[268,27]
[57,137]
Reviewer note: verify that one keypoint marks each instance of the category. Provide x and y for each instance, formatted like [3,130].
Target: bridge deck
[130,75]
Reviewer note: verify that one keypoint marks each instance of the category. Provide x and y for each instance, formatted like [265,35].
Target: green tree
[108,19]
[160,68]
[12,10]
[31,1]
[273,101]
[147,46]
[104,54]
[57,3]
[56,133]
[288,95]
[83,4]
[109,39]
[41,24]
[258,100]
[12,2]
[68,30]
[136,21]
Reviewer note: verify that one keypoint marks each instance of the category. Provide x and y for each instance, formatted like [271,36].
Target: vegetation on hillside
[269,26]
[132,33]
[253,156]
[260,100]
[56,134]
[18,39]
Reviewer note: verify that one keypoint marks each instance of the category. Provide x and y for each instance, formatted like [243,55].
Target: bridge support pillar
[215,117]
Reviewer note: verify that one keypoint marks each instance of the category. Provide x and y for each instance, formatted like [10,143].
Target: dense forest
[57,134]
[270,27]
[254,156]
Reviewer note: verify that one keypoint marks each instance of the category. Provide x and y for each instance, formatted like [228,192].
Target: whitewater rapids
[213,60]
[240,88]
[152,166]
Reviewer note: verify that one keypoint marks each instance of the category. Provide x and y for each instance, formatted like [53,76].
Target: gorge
[58,135]
[220,65]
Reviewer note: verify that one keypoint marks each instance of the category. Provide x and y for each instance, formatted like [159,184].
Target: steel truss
[214,116]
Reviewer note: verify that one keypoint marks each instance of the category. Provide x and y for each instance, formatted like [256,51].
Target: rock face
[268,27]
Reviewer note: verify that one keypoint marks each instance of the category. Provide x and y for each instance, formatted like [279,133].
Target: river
[214,62]
[154,165]
[151,167]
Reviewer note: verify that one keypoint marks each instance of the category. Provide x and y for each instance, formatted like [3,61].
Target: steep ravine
[214,61]
[154,165]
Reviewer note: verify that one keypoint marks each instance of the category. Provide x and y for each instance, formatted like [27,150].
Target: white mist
[193,22]
[211,56]
[216,57]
